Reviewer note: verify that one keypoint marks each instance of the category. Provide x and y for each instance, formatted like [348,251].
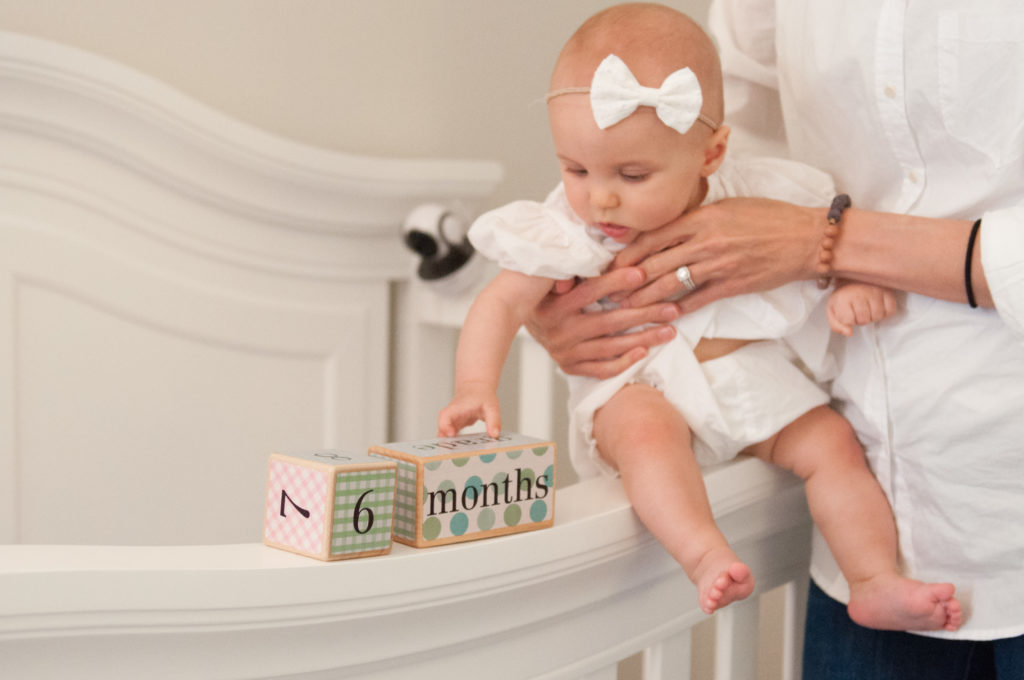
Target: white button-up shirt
[915,107]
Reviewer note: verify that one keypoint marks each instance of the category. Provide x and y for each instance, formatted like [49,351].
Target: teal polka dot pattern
[459,524]
[475,486]
[485,519]
[513,514]
[431,528]
[491,492]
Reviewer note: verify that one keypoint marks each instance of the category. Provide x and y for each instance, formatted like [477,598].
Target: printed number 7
[286,497]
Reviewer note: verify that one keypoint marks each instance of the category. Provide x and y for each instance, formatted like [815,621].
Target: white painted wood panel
[181,295]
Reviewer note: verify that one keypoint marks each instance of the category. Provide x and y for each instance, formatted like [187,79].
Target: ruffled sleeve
[539,239]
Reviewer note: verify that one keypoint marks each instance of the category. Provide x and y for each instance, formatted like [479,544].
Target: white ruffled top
[542,239]
[548,239]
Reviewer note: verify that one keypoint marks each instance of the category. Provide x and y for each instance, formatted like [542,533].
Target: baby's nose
[603,197]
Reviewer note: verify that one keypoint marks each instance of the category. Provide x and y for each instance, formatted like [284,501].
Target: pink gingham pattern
[307,488]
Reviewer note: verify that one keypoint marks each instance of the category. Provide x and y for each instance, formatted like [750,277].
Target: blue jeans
[836,648]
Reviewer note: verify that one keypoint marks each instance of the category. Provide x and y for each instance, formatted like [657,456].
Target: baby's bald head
[653,40]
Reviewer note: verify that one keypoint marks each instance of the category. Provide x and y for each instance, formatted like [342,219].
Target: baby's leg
[648,441]
[854,516]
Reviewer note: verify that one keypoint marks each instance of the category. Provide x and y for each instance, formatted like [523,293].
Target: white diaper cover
[730,402]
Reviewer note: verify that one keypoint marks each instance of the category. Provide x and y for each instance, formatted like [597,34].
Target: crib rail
[571,601]
[565,602]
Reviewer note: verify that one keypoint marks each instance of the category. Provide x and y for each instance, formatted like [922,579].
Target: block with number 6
[330,505]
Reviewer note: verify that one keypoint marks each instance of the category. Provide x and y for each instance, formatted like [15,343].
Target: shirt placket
[891,100]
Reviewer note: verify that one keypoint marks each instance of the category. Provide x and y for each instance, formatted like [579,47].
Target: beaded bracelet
[828,240]
[967,263]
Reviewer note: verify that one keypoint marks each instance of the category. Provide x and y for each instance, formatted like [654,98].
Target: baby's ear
[714,150]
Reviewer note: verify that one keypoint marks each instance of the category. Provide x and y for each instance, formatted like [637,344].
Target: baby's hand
[471,402]
[858,304]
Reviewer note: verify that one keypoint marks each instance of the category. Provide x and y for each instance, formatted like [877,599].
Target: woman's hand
[734,246]
[594,343]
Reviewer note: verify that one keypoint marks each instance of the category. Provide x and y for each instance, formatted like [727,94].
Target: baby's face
[632,177]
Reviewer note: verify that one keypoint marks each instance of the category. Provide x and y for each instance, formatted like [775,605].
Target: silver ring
[684,277]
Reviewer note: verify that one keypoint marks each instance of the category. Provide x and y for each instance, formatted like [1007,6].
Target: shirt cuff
[1002,256]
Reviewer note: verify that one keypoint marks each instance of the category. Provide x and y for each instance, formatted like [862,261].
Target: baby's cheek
[580,207]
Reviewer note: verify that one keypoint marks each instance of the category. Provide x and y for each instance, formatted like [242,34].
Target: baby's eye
[579,172]
[634,176]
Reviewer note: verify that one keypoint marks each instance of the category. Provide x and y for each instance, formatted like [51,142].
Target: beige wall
[418,78]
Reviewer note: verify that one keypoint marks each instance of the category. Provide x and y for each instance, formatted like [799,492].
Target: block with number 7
[331,505]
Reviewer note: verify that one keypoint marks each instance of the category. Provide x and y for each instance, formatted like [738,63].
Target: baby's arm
[857,304]
[495,316]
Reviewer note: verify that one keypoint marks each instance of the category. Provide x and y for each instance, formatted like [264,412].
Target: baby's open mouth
[615,231]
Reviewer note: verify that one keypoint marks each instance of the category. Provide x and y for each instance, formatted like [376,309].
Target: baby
[635,109]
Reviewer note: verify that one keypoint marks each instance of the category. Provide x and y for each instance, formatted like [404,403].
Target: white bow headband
[615,93]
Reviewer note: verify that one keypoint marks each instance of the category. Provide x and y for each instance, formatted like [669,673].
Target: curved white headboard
[83,104]
[180,294]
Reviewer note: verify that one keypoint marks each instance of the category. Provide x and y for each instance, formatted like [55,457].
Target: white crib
[180,295]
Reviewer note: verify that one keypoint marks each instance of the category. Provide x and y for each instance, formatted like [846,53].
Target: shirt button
[890,92]
[913,176]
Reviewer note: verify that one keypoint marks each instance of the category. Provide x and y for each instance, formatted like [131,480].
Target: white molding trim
[557,603]
[75,100]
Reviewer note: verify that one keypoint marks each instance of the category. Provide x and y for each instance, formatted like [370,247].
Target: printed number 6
[360,510]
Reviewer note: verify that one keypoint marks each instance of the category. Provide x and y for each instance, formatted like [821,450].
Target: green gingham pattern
[349,487]
[405,507]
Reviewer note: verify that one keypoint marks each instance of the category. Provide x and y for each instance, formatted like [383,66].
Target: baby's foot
[892,602]
[722,579]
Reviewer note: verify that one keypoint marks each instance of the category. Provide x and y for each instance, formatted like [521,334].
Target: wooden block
[330,505]
[469,487]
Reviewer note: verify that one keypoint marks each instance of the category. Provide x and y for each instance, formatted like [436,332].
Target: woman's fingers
[559,321]
[730,247]
[608,368]
[589,291]
[600,336]
[606,357]
[597,343]
[652,242]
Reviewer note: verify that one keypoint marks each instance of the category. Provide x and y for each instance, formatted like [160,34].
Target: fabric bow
[615,93]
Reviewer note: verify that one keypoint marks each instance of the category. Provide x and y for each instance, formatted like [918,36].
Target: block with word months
[330,505]
[473,486]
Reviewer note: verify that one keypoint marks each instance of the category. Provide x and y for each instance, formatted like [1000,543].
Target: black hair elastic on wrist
[967,263]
